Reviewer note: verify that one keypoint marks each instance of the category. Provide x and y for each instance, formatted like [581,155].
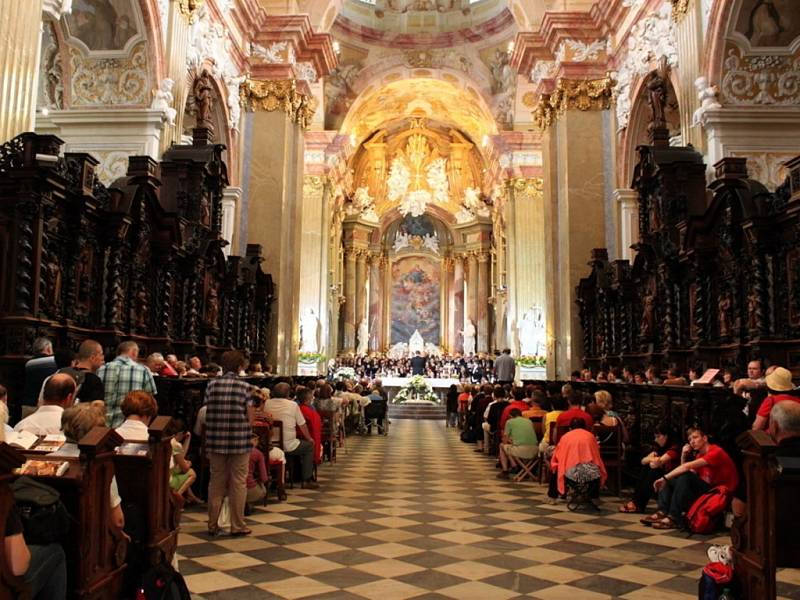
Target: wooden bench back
[144,482]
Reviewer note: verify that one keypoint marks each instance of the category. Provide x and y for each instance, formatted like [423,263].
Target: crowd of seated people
[475,368]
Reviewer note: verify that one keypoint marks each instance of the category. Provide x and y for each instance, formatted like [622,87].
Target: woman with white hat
[779,384]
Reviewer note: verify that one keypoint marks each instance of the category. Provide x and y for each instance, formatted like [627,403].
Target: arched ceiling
[432,98]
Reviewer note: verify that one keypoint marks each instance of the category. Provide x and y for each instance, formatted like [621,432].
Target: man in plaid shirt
[123,375]
[229,417]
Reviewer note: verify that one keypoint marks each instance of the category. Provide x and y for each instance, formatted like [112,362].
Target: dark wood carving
[716,278]
[140,259]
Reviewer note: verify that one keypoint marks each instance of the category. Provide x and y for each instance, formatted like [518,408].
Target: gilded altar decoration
[580,94]
[417,176]
[272,95]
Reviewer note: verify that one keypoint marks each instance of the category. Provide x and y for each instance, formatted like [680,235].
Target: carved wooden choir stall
[716,278]
[140,259]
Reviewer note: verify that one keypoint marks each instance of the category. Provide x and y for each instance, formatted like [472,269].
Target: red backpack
[706,512]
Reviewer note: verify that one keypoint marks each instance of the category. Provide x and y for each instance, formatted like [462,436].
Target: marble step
[417,411]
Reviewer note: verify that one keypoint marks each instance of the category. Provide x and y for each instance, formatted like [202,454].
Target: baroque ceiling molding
[573,94]
[650,40]
[272,95]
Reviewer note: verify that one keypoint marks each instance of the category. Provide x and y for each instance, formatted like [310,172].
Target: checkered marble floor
[419,515]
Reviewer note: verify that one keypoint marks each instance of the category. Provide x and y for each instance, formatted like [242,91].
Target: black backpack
[162,582]
[45,519]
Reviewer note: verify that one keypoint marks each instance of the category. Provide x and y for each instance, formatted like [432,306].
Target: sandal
[665,523]
[654,518]
[629,507]
[213,531]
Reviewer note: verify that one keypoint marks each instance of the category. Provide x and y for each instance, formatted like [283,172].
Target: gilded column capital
[526,186]
[313,184]
[188,8]
[278,94]
[483,257]
[679,9]
[572,94]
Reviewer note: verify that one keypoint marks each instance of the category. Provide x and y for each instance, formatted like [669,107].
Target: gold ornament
[580,94]
[272,95]
[527,186]
[189,7]
[679,9]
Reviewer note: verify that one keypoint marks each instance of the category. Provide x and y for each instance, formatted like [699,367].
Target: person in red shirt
[778,383]
[574,411]
[305,397]
[519,402]
[703,466]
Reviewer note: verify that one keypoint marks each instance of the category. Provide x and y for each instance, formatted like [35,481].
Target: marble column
[375,310]
[21,32]
[574,222]
[230,200]
[483,324]
[471,278]
[457,299]
[350,326]
[361,291]
[314,252]
[274,142]
[690,46]
[626,212]
[178,29]
[527,287]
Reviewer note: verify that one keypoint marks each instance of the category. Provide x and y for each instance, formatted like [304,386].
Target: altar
[440,385]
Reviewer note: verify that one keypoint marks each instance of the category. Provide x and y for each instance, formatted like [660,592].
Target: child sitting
[182,476]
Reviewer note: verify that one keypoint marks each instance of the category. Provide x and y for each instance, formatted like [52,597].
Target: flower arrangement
[343,373]
[416,389]
[532,361]
[310,357]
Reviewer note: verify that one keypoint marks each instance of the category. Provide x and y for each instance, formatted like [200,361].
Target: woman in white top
[139,409]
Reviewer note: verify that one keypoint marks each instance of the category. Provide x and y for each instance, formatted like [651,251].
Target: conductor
[418,363]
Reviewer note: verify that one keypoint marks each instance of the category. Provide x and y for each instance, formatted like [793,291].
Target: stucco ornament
[102,81]
[651,40]
[707,95]
[363,205]
[209,41]
[163,100]
[760,80]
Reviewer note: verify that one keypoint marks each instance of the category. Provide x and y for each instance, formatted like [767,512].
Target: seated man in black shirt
[44,567]
[418,363]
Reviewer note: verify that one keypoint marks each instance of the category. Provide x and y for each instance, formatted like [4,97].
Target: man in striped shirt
[123,375]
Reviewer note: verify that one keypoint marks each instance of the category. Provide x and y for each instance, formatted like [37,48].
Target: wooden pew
[144,482]
[95,551]
[11,587]
[768,536]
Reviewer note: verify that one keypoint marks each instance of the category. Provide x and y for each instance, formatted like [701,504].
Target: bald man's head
[59,390]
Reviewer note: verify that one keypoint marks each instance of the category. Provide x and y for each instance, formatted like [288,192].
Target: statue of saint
[469,337]
[309,326]
[203,100]
[531,333]
[724,306]
[363,337]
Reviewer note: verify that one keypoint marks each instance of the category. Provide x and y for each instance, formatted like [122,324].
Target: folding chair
[329,435]
[526,466]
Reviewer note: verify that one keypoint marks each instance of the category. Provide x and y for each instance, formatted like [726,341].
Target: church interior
[333,299]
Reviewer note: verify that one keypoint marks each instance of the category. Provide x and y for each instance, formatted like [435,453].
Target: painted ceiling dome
[422,23]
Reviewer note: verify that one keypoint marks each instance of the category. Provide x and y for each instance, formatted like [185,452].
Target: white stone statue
[401,240]
[469,337]
[532,332]
[416,343]
[363,337]
[163,99]
[309,331]
[431,242]
[707,94]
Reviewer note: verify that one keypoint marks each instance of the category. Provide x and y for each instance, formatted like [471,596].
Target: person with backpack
[704,466]
[43,566]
